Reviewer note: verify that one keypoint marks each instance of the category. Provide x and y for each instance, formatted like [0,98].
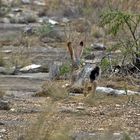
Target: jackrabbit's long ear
[80,50]
[70,49]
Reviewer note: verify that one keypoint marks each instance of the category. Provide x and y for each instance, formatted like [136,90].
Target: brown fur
[90,88]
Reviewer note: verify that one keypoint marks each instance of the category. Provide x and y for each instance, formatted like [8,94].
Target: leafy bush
[124,26]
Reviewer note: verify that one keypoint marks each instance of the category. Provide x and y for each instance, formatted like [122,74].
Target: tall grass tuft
[2,93]
[48,127]
[53,90]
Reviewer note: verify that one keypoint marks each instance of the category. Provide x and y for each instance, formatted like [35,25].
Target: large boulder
[5,71]
[57,34]
[34,68]
[54,70]
[23,17]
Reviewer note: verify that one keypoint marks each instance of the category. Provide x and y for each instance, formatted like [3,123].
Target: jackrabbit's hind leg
[94,86]
[85,91]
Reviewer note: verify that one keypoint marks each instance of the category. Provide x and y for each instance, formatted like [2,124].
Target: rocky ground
[104,117]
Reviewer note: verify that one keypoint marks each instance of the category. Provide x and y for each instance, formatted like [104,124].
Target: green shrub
[126,137]
[65,69]
[44,30]
[105,64]
[87,50]
[124,27]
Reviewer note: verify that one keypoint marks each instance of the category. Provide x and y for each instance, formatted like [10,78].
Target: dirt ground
[116,114]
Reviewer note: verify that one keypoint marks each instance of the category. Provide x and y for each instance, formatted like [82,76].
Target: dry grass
[53,90]
[54,124]
[2,93]
[117,82]
[103,99]
[2,63]
[48,126]
[62,133]
[83,7]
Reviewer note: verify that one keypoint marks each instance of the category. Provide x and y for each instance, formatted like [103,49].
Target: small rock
[17,10]
[26,1]
[53,22]
[116,134]
[72,94]
[39,3]
[4,70]
[65,85]
[6,51]
[2,130]
[117,105]
[101,129]
[81,104]
[30,68]
[98,46]
[43,19]
[118,51]
[40,20]
[5,20]
[67,109]
[1,123]
[47,40]
[80,108]
[41,13]
[76,89]
[65,20]
[102,113]
[11,15]
[4,105]
[12,109]
[90,56]
[28,30]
